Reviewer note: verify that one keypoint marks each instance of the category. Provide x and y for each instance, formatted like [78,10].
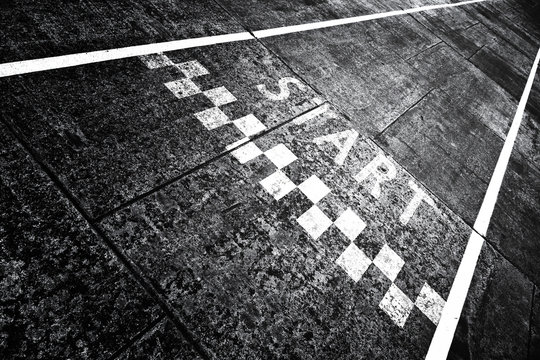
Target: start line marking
[64,61]
[444,334]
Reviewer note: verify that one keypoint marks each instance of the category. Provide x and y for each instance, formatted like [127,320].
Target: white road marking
[430,303]
[284,91]
[246,152]
[397,305]
[314,189]
[381,169]
[442,339]
[219,96]
[343,140]
[278,184]
[312,114]
[192,69]
[389,262]
[354,261]
[156,61]
[280,155]
[355,19]
[350,224]
[419,196]
[182,88]
[212,118]
[64,61]
[249,125]
[314,221]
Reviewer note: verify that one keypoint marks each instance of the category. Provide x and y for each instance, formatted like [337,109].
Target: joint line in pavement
[444,334]
[64,61]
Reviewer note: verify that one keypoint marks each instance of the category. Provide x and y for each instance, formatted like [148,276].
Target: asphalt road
[308,195]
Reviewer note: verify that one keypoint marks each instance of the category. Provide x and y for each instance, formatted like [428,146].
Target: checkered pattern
[213,117]
[395,303]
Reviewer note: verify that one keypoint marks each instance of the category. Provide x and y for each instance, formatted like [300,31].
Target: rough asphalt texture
[129,230]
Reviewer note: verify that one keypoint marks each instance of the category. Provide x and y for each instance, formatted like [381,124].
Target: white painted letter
[419,195]
[343,140]
[284,91]
[382,169]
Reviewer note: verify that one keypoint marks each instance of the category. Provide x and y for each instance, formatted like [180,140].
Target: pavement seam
[496,83]
[345,115]
[190,171]
[129,266]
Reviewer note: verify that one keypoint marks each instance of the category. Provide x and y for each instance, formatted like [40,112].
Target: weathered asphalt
[130,230]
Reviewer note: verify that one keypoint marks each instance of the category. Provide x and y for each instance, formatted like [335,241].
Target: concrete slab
[361,68]
[496,320]
[257,14]
[447,148]
[113,131]
[258,270]
[64,295]
[48,28]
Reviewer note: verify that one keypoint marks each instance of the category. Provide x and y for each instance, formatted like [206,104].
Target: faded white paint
[312,114]
[343,140]
[314,221]
[192,69]
[212,118]
[442,339]
[249,125]
[280,155]
[354,262]
[219,96]
[419,196]
[156,61]
[350,224]
[397,305]
[278,184]
[314,189]
[284,91]
[430,303]
[380,169]
[246,152]
[388,262]
[182,88]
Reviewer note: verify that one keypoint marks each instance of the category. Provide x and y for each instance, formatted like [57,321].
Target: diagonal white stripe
[63,61]
[442,339]
[351,20]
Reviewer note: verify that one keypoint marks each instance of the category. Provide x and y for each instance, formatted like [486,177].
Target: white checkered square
[397,305]
[430,303]
[278,184]
[212,118]
[314,189]
[155,61]
[314,221]
[219,96]
[280,155]
[246,152]
[192,69]
[182,88]
[249,125]
[350,224]
[389,262]
[354,262]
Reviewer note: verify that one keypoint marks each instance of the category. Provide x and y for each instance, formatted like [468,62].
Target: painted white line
[330,23]
[444,334]
[58,62]
[64,61]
